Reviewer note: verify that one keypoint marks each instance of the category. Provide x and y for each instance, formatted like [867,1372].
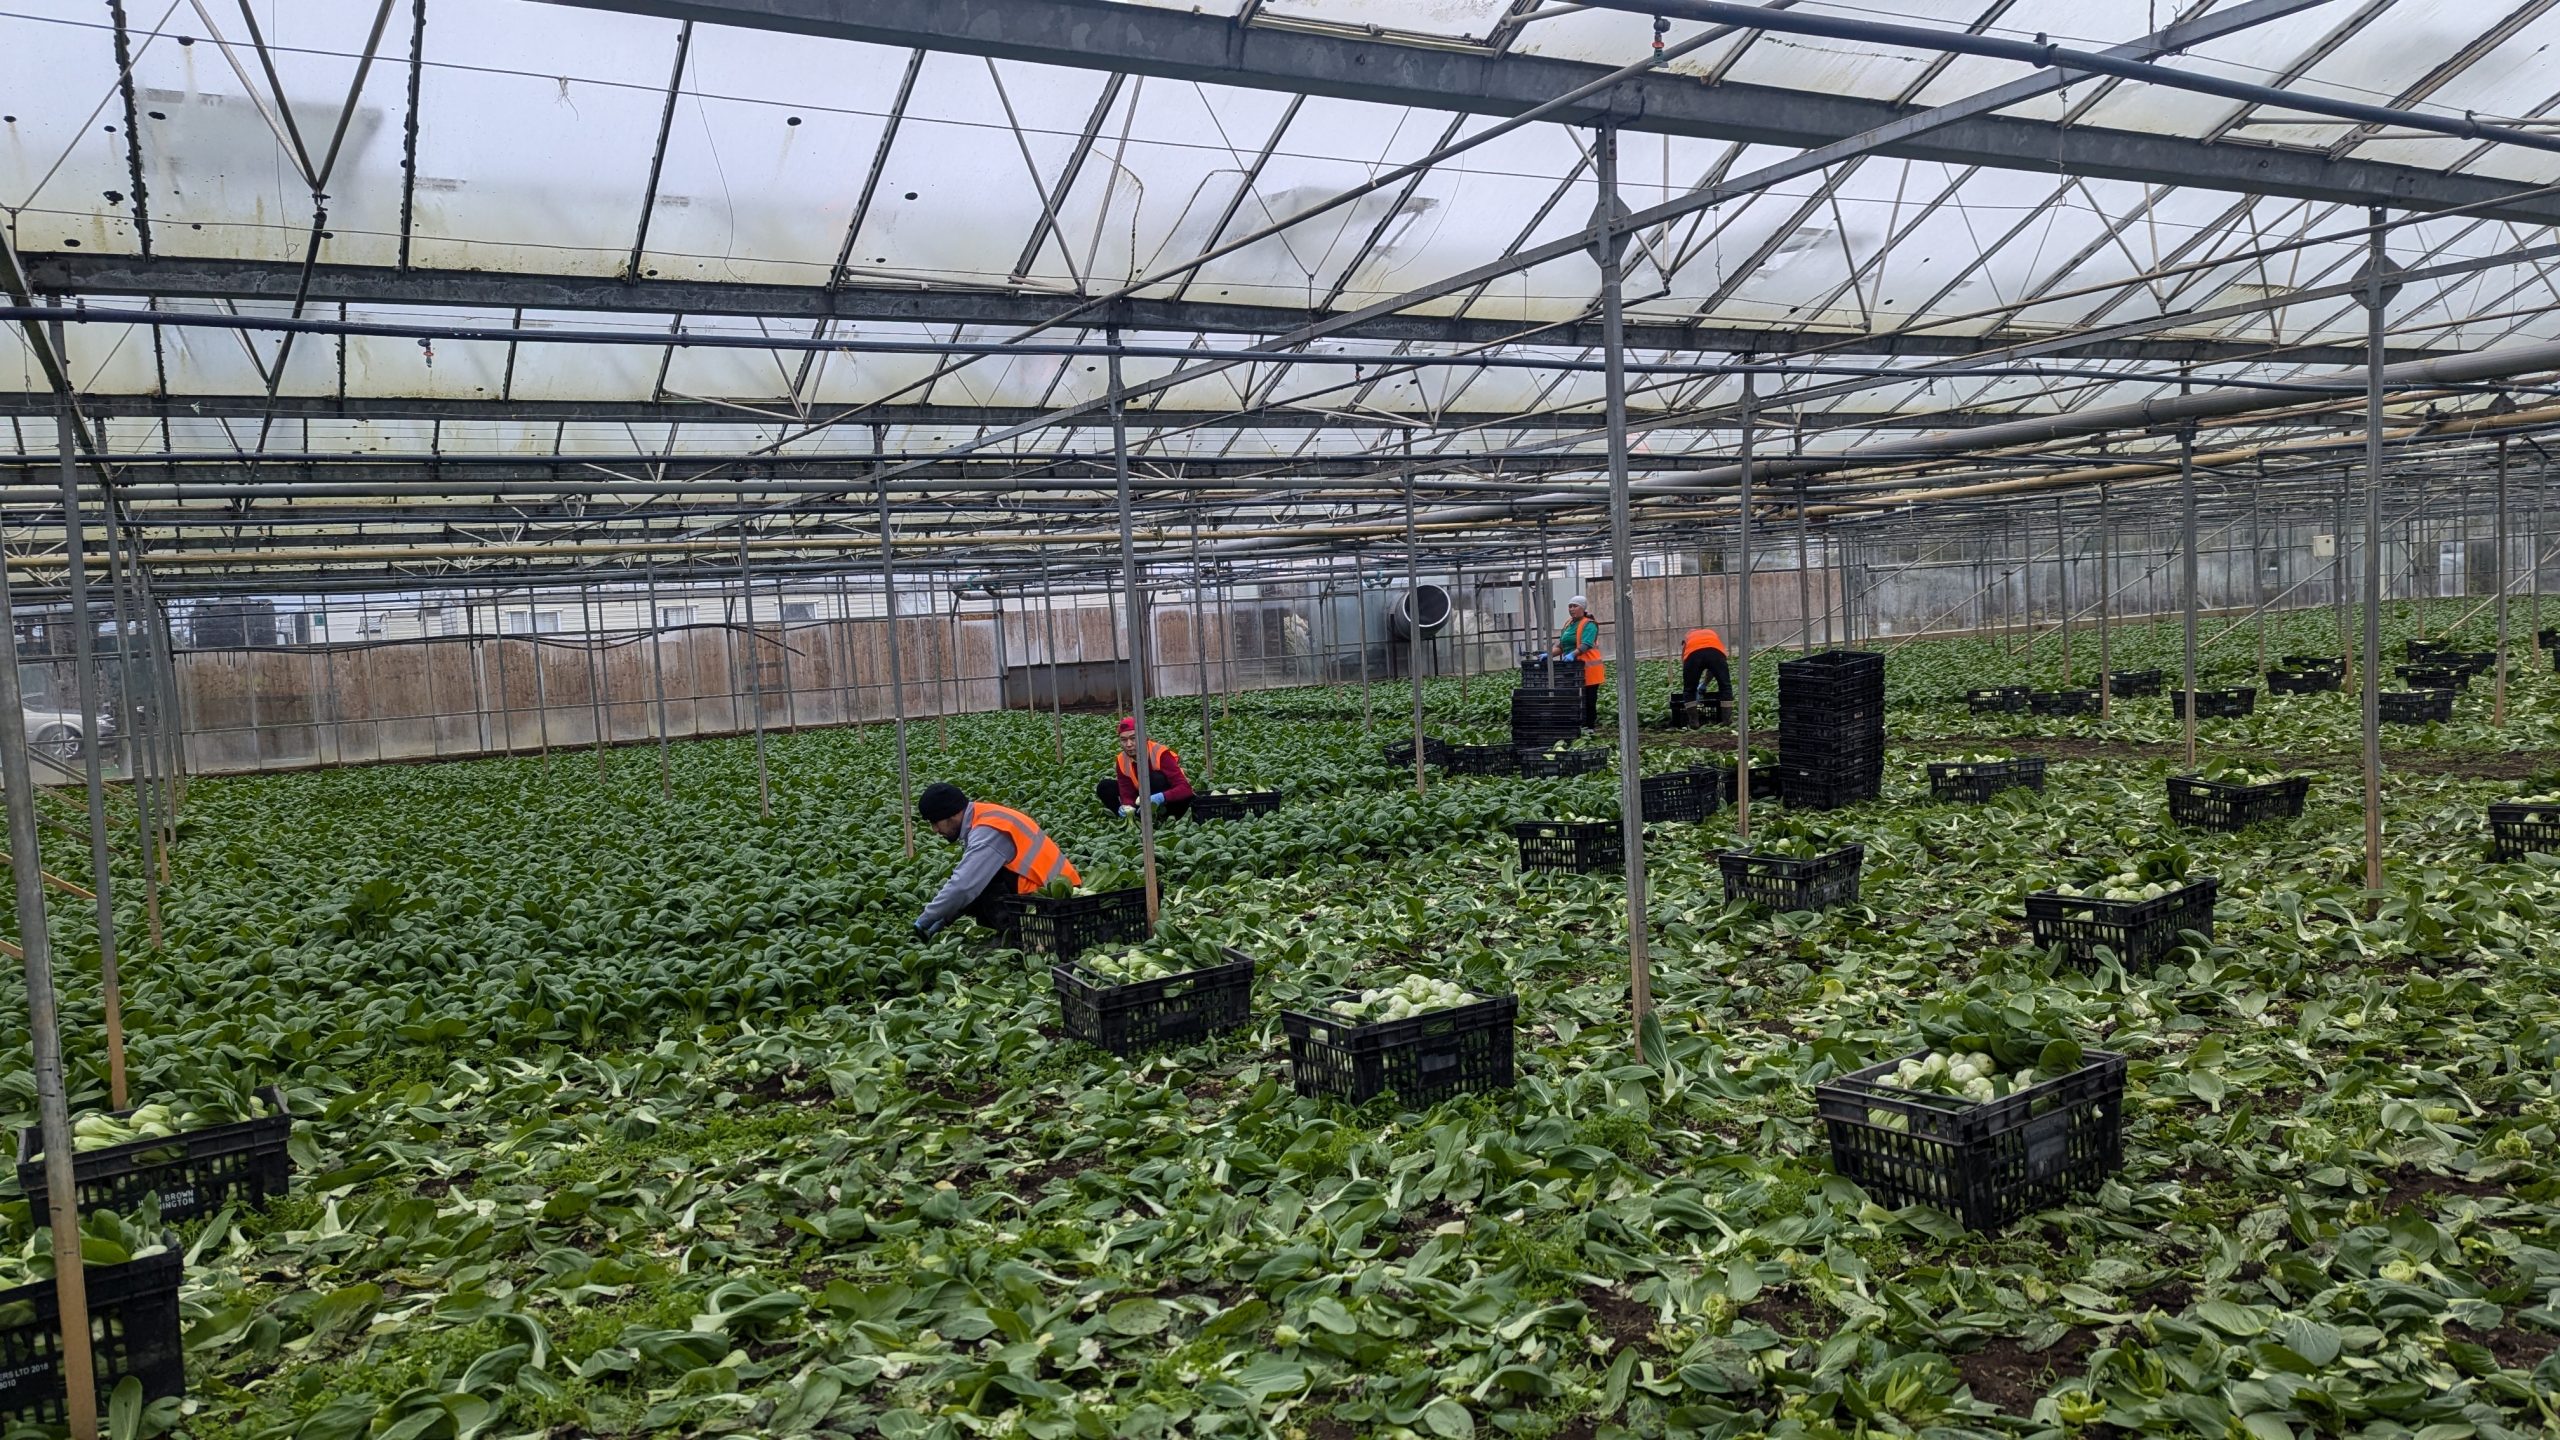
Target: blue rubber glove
[1156,799]
[1128,810]
[923,932]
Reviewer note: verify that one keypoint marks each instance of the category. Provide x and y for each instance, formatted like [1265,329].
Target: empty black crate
[1067,926]
[1142,1014]
[1980,780]
[1577,846]
[2216,806]
[1986,1163]
[1783,882]
[1565,675]
[1423,1059]
[2138,931]
[194,1173]
[1830,789]
[1546,764]
[1998,700]
[1435,751]
[2523,827]
[133,1328]
[1235,806]
[1482,759]
[1543,717]
[2433,676]
[2415,707]
[1767,779]
[2213,704]
[1683,795]
[2310,680]
[2063,702]
[1830,676]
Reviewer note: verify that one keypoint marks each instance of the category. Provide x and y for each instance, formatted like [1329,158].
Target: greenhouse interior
[1540,719]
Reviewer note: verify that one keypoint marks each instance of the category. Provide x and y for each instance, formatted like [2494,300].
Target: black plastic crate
[2470,662]
[1699,714]
[2063,702]
[1067,926]
[1545,764]
[194,1173]
[1144,1014]
[2137,931]
[2433,676]
[2216,806]
[1423,1059]
[2216,704]
[1832,677]
[1783,882]
[133,1330]
[1435,751]
[1482,759]
[2415,707]
[1563,675]
[2548,637]
[1987,1163]
[1766,781]
[1683,795]
[2128,683]
[1240,805]
[2422,650]
[1540,717]
[1998,700]
[1830,790]
[2309,680]
[1978,781]
[2519,827]
[1575,846]
[2315,662]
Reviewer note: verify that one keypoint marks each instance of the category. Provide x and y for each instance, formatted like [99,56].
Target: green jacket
[1578,636]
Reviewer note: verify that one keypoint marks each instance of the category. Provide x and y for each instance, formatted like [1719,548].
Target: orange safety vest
[1701,640]
[1037,860]
[1588,632]
[1156,751]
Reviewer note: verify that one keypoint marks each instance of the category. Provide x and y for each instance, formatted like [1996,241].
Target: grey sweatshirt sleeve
[984,856]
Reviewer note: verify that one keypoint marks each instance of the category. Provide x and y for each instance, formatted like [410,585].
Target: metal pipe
[2187,555]
[1200,657]
[1057,707]
[1610,252]
[1413,621]
[1136,620]
[2377,263]
[2106,585]
[595,673]
[897,667]
[2498,554]
[141,742]
[84,661]
[1741,656]
[2062,579]
[658,684]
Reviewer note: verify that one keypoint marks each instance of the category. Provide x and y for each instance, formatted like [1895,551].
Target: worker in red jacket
[1167,788]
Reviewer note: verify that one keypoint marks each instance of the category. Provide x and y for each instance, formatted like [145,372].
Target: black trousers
[1705,664]
[990,909]
[1107,791]
[1590,707]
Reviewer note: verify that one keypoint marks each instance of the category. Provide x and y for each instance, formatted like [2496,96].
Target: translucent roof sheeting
[645,171]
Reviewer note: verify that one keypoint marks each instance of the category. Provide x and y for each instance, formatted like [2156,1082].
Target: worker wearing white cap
[1580,638]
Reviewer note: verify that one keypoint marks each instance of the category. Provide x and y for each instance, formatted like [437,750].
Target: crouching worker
[1167,788]
[1002,854]
[1702,658]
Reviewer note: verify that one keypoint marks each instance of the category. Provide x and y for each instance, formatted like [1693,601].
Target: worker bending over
[995,842]
[1702,658]
[1167,788]
[1580,638]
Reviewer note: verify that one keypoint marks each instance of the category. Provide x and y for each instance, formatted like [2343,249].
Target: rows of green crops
[629,1115]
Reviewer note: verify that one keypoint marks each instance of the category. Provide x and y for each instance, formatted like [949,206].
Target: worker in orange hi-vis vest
[1702,658]
[1166,787]
[1580,638]
[1003,853]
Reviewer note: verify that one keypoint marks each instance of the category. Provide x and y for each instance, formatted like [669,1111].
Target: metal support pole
[1360,638]
[897,667]
[84,661]
[541,680]
[1057,707]
[2498,567]
[595,673]
[1413,616]
[946,685]
[1200,655]
[1741,649]
[2377,261]
[1457,632]
[506,712]
[2106,590]
[141,756]
[1137,631]
[658,685]
[2257,565]
[1611,253]
[995,605]
[2187,550]
[755,674]
[2062,578]
[1804,572]
[53,1114]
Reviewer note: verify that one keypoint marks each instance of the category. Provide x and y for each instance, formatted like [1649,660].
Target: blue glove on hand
[923,931]
[1156,799]
[1128,810]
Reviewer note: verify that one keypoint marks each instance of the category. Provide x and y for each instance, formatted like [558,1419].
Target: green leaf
[124,1409]
[2230,1319]
[1742,1279]
[1649,1040]
[2206,1086]
[1141,1316]
[2059,1057]
[1448,1419]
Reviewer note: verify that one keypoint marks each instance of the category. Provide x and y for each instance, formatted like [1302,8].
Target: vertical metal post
[506,712]
[2498,567]
[897,667]
[2338,579]
[1057,707]
[1200,654]
[658,684]
[53,1115]
[1804,572]
[2062,580]
[995,606]
[595,672]
[541,680]
[1360,638]
[1611,253]
[1741,648]
[2377,260]
[2106,604]
[1137,629]
[142,760]
[1413,615]
[2187,549]
[2533,554]
[755,674]
[946,685]
[2257,565]
[84,661]
[1458,633]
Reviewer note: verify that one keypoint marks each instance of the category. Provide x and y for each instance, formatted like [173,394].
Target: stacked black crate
[1547,708]
[1831,728]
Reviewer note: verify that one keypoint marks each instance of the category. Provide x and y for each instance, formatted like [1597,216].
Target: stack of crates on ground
[1831,728]
[1548,705]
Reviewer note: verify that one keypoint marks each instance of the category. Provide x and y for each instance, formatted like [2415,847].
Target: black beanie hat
[940,801]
